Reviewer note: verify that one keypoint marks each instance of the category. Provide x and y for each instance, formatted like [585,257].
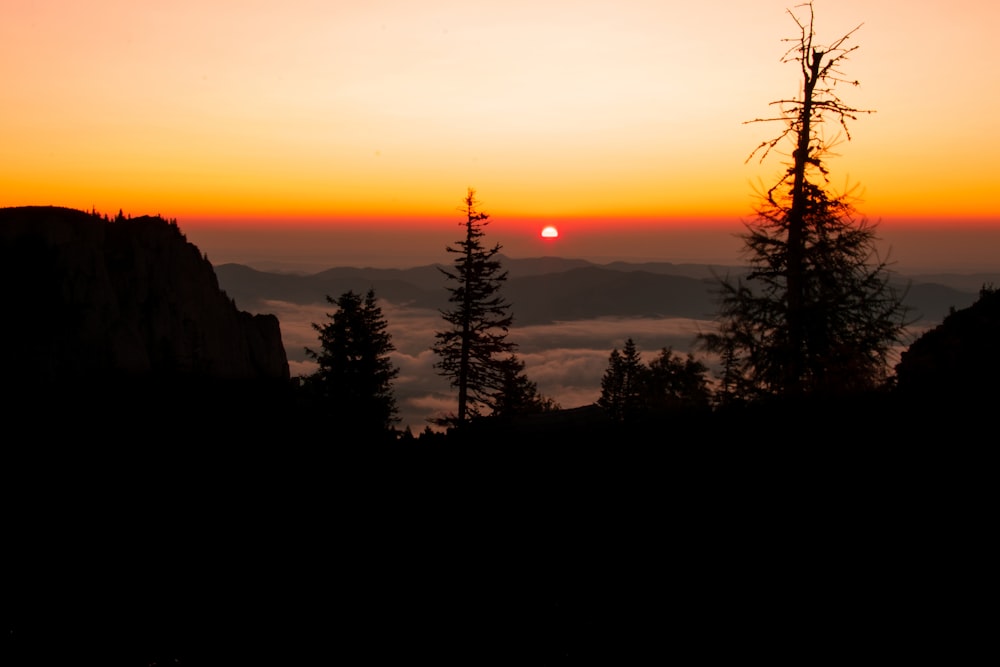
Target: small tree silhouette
[623,384]
[354,379]
[677,382]
[519,395]
[670,382]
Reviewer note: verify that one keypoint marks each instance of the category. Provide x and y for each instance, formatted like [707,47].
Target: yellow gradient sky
[382,112]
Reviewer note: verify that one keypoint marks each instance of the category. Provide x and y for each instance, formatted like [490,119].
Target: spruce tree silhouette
[354,380]
[623,384]
[817,313]
[473,350]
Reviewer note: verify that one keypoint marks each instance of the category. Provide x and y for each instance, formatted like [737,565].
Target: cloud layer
[565,359]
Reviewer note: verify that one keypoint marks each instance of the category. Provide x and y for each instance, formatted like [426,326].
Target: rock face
[960,358]
[85,296]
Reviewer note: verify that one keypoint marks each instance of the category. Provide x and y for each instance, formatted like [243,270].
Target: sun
[550,232]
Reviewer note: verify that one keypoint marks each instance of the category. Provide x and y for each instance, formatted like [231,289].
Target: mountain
[92,298]
[959,358]
[252,289]
[972,282]
[591,292]
[550,289]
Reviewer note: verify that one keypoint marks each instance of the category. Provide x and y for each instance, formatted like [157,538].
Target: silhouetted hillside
[959,359]
[90,299]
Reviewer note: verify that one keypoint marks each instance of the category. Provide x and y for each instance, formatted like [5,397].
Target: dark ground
[219,552]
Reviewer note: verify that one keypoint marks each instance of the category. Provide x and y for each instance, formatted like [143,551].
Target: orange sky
[384,111]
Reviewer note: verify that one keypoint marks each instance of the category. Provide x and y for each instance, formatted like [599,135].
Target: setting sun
[627,123]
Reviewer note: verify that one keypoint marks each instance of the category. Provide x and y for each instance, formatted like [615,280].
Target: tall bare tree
[816,312]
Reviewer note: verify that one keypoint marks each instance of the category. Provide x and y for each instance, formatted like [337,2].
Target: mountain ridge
[550,289]
[94,296]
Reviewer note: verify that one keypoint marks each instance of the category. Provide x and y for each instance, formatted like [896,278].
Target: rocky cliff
[86,296]
[959,359]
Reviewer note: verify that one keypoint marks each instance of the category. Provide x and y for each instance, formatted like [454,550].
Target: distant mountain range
[551,289]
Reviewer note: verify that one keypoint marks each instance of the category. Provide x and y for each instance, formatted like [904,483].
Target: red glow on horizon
[536,225]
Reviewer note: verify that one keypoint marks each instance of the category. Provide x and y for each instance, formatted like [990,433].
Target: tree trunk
[795,269]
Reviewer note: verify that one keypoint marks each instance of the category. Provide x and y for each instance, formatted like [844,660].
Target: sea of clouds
[566,359]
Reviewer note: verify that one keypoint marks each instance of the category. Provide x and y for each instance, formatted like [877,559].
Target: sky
[341,132]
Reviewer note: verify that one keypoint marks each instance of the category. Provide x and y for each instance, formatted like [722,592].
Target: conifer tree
[518,395]
[670,382]
[677,382]
[816,313]
[473,350]
[355,375]
[623,383]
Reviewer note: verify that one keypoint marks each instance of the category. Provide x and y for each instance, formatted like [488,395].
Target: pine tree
[623,385]
[817,312]
[519,395]
[677,382]
[473,350]
[355,375]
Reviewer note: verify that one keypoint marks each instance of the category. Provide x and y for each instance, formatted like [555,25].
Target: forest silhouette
[174,496]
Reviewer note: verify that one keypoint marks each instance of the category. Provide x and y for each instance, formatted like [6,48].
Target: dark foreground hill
[531,551]
[88,297]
